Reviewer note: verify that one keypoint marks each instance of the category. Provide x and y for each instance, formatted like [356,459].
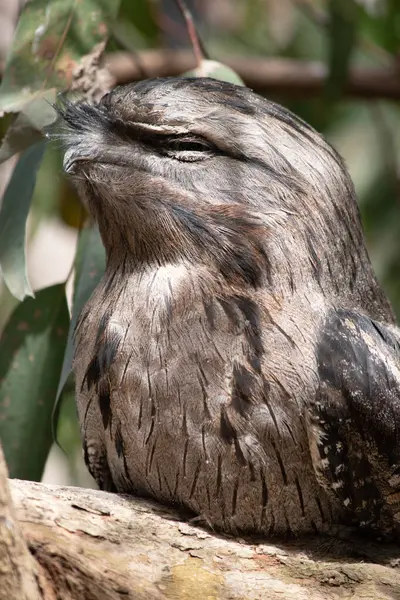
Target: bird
[239,359]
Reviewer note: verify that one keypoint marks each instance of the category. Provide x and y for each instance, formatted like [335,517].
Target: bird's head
[210,171]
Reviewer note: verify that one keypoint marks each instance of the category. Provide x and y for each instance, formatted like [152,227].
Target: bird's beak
[73,156]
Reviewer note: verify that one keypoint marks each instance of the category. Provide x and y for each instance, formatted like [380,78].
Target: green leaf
[216,70]
[13,215]
[89,268]
[342,32]
[31,354]
[51,38]
[28,126]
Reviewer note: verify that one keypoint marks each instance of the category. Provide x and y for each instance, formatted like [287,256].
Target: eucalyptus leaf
[28,126]
[51,38]
[216,70]
[31,354]
[89,268]
[13,216]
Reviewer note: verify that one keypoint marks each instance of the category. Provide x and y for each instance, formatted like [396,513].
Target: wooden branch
[93,545]
[19,573]
[264,75]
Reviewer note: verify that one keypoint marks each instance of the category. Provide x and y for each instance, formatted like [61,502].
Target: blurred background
[336,63]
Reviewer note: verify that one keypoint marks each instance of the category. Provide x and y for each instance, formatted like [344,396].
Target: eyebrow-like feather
[160,136]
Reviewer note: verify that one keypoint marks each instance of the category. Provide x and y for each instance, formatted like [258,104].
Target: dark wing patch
[96,460]
[105,402]
[357,415]
[104,354]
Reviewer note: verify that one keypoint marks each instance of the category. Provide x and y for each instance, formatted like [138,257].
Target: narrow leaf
[28,126]
[31,354]
[13,215]
[89,268]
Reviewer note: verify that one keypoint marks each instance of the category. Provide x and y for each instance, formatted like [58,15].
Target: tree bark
[91,545]
[19,573]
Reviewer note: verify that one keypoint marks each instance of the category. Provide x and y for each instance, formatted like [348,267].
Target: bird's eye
[188,150]
[188,146]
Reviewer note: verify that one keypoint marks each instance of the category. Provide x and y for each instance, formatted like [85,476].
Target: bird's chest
[179,391]
[154,365]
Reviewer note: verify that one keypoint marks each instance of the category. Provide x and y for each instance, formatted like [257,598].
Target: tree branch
[264,75]
[19,573]
[98,546]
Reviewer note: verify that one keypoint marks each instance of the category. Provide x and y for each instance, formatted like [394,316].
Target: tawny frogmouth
[238,357]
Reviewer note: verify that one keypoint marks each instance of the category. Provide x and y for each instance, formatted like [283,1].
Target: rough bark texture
[19,573]
[94,545]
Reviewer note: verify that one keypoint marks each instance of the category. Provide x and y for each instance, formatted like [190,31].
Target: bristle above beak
[77,121]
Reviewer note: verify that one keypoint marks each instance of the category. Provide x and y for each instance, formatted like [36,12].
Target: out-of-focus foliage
[343,20]
[13,215]
[31,354]
[51,39]
[89,268]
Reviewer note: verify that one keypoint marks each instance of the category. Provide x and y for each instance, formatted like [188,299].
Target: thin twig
[199,50]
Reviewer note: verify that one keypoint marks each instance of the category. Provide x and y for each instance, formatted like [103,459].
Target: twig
[199,50]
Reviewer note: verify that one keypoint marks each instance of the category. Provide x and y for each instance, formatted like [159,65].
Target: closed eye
[188,149]
[182,145]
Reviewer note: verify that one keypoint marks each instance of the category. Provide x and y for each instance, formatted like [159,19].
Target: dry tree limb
[278,76]
[98,546]
[19,573]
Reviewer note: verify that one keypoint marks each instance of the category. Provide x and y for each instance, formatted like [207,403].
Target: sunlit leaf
[216,70]
[51,38]
[13,215]
[31,354]
[28,126]
[89,269]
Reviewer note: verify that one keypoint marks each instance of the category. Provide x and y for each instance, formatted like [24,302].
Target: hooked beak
[71,159]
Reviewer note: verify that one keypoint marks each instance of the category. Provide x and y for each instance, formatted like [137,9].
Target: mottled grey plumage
[238,358]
